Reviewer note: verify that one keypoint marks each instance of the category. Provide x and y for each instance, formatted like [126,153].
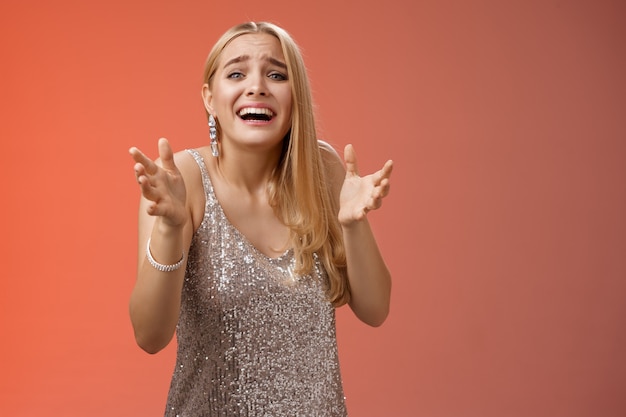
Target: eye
[235,75]
[277,76]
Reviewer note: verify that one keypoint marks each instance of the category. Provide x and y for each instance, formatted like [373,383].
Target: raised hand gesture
[161,184]
[359,195]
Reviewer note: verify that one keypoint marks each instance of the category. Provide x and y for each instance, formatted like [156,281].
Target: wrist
[165,243]
[351,217]
[167,230]
[163,267]
[354,225]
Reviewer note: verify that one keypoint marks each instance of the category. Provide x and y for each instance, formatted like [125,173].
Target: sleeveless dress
[254,339]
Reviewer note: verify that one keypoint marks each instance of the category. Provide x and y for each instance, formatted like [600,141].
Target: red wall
[505,229]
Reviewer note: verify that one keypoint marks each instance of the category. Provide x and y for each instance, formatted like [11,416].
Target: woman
[247,245]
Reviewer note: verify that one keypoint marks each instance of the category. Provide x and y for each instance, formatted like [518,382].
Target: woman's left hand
[359,195]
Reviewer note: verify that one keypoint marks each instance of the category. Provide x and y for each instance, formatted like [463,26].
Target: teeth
[255,110]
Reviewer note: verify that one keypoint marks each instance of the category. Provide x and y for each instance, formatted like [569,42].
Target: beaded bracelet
[161,267]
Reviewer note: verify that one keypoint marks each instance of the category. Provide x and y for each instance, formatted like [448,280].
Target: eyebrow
[243,58]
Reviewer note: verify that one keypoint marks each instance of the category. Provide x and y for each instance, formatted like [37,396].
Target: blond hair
[299,192]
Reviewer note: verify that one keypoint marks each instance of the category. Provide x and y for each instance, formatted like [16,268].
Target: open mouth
[258,114]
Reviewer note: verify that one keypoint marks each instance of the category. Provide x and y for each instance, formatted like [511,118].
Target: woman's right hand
[162,185]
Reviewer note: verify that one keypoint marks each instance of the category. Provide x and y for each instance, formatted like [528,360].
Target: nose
[257,86]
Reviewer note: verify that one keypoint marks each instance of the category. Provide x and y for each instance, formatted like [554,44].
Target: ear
[207,99]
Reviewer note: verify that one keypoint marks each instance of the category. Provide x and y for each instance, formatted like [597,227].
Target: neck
[248,169]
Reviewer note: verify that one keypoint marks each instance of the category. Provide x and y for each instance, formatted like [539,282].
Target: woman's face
[250,94]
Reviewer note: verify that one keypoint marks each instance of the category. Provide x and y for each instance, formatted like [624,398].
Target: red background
[505,230]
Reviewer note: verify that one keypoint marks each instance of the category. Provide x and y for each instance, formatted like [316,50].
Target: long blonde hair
[299,192]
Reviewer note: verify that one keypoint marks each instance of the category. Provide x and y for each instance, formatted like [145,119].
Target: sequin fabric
[253,338]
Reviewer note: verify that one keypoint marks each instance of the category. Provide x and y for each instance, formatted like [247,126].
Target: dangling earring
[215,150]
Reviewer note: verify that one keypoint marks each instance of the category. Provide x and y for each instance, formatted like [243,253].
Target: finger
[349,157]
[374,203]
[385,172]
[166,154]
[385,186]
[154,209]
[387,168]
[137,155]
[142,159]
[147,189]
[381,190]
[378,194]
[142,175]
[139,167]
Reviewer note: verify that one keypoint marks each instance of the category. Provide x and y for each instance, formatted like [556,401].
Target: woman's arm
[165,219]
[370,280]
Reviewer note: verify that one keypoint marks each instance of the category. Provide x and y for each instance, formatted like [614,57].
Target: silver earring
[215,150]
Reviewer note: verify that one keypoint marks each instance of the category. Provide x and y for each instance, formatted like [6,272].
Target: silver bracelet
[161,267]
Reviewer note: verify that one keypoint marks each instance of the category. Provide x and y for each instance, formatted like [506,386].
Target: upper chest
[249,213]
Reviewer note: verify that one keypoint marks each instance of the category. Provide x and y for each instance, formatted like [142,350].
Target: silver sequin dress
[253,338]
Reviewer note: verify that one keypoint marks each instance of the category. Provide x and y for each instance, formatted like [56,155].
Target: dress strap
[206,180]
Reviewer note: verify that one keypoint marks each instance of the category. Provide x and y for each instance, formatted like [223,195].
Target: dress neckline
[209,192]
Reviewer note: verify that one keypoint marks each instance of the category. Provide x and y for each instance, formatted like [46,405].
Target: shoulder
[192,176]
[184,159]
[334,171]
[186,164]
[332,162]
[327,150]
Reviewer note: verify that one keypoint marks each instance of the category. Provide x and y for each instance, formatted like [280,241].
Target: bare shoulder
[186,165]
[331,160]
[192,176]
[333,168]
[327,150]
